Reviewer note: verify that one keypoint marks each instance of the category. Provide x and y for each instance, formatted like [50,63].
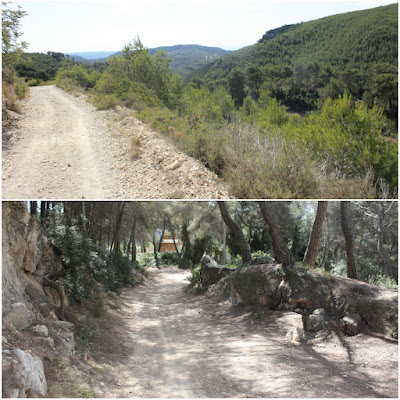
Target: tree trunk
[115,240]
[162,236]
[133,240]
[315,237]
[347,228]
[234,227]
[33,207]
[155,249]
[186,262]
[223,255]
[281,250]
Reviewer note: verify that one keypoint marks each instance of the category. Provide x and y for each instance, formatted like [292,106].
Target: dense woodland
[107,242]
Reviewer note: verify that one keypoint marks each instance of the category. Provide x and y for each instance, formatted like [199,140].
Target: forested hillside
[187,58]
[301,65]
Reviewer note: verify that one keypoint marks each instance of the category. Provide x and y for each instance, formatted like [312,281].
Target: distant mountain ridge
[185,57]
[91,55]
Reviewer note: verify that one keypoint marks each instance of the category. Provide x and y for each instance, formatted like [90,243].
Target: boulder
[315,321]
[23,375]
[19,316]
[350,324]
[340,296]
[257,285]
[295,335]
[61,331]
[211,272]
[40,330]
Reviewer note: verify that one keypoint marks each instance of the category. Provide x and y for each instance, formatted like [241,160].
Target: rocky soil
[168,342]
[61,147]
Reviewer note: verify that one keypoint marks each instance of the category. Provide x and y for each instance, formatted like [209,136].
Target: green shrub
[146,259]
[169,258]
[89,330]
[349,139]
[21,88]
[104,101]
[76,77]
[195,274]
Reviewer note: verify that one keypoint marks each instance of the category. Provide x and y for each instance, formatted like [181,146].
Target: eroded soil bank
[167,342]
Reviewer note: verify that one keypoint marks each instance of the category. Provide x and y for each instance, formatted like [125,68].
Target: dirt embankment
[166,342]
[63,148]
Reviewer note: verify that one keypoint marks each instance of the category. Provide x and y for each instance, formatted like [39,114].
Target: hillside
[346,40]
[312,53]
[185,57]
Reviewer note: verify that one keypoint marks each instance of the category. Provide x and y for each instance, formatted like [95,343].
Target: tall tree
[281,250]
[347,228]
[315,238]
[236,230]
[10,33]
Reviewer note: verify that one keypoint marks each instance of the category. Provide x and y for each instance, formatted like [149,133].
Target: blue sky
[104,25]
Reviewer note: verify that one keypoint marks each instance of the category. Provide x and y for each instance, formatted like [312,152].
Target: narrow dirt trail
[63,148]
[166,342]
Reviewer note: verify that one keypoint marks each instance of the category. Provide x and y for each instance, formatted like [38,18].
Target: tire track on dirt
[63,148]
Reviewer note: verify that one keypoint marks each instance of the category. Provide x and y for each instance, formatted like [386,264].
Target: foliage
[10,33]
[304,64]
[85,263]
[89,330]
[146,259]
[76,77]
[169,258]
[349,137]
[137,77]
[104,102]
[186,58]
[41,66]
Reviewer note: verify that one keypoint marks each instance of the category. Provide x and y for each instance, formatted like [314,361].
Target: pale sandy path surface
[63,148]
[166,342]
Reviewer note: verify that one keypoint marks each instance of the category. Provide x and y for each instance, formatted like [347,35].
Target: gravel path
[166,342]
[63,148]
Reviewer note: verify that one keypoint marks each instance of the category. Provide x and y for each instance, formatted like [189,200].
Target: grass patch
[69,382]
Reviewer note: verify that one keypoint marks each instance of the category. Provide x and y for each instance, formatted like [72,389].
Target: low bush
[104,101]
[76,77]
[169,258]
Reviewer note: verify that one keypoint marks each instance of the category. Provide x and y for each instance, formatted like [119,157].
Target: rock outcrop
[31,329]
[211,272]
[301,289]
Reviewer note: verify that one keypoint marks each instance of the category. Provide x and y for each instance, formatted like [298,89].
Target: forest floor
[61,147]
[166,341]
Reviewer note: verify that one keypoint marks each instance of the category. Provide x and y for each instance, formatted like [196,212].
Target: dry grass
[69,381]
[136,147]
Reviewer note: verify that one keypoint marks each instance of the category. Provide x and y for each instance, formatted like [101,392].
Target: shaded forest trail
[167,342]
[63,148]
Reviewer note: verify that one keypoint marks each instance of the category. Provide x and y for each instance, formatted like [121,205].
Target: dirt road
[63,148]
[166,342]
